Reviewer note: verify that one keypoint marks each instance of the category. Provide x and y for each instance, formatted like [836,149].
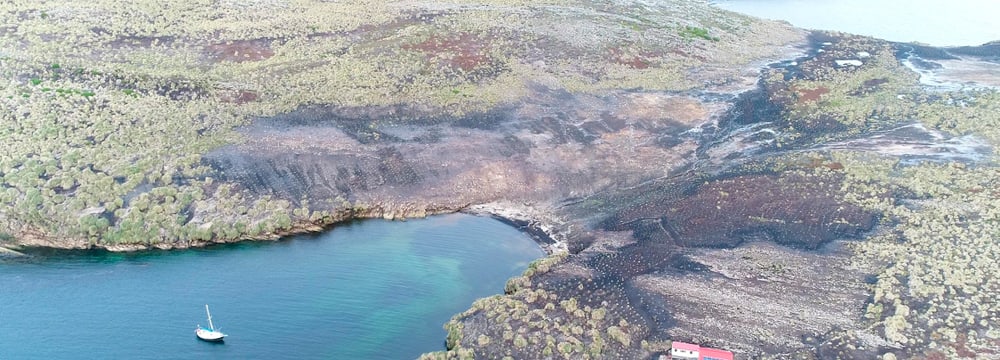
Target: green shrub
[454,338]
[691,32]
[619,335]
[520,342]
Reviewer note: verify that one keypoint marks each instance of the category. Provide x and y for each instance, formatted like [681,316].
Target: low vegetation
[107,108]
[532,320]
[938,244]
[697,32]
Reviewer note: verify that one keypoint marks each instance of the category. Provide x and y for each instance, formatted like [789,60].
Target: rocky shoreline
[29,244]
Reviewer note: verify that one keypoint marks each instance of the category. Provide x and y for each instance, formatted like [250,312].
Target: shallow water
[365,290]
[934,22]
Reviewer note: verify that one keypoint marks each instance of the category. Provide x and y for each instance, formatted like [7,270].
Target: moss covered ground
[933,257]
[937,247]
[108,106]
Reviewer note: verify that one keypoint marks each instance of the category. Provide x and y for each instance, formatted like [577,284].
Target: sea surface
[364,290]
[933,22]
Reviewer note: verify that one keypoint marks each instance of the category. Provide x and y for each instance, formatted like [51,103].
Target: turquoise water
[365,290]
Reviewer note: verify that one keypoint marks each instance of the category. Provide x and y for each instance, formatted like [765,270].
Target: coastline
[543,233]
[629,148]
[5,252]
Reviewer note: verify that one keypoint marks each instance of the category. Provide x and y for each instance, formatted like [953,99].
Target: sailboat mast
[210,326]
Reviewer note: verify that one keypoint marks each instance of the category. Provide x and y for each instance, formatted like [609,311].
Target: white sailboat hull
[209,335]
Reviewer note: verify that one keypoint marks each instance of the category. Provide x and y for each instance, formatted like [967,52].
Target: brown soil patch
[961,346]
[807,95]
[639,62]
[464,51]
[238,96]
[241,50]
[634,62]
[643,60]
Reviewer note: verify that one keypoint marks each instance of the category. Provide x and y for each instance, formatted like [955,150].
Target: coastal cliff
[696,174]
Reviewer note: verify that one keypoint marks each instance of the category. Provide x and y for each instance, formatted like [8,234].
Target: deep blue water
[365,290]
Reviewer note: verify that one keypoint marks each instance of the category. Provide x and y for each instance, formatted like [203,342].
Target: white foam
[852,62]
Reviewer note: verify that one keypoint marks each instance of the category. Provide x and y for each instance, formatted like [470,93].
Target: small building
[715,354]
[685,351]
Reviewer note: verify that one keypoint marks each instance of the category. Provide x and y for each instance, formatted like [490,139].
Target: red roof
[684,346]
[714,354]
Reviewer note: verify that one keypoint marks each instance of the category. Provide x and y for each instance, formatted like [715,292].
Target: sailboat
[210,334]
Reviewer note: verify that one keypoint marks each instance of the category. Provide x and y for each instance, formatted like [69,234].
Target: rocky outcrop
[791,209]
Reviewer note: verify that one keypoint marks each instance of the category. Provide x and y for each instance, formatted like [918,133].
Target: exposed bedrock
[793,209]
[554,147]
[617,179]
[677,225]
[674,233]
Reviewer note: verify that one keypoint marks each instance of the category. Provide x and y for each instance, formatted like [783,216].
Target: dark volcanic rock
[789,209]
